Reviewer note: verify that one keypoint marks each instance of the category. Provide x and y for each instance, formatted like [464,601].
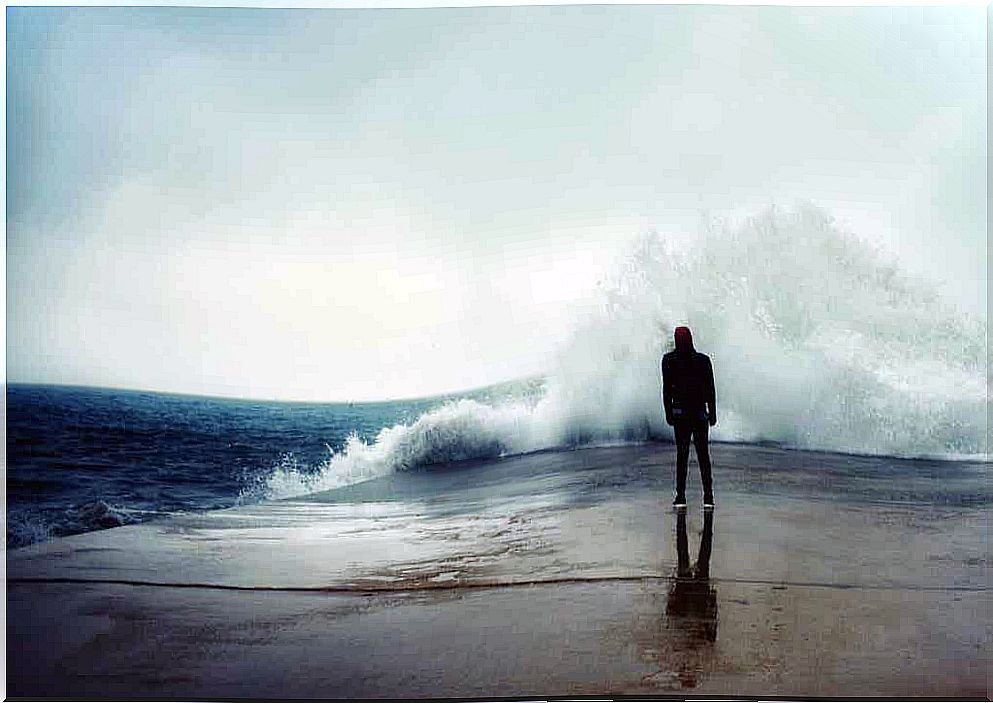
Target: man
[689,401]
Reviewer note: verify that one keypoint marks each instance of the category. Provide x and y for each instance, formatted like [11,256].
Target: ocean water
[818,342]
[80,459]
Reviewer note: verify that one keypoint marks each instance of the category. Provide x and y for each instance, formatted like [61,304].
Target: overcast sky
[359,204]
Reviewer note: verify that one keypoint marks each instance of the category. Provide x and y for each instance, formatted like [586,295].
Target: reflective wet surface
[555,574]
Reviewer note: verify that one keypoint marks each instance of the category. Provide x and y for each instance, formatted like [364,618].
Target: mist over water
[818,342]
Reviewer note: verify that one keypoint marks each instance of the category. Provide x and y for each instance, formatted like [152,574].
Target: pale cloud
[349,204]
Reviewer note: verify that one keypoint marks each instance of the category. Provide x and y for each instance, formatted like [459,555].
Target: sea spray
[817,340]
[456,431]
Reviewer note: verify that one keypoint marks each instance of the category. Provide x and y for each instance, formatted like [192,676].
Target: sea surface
[81,459]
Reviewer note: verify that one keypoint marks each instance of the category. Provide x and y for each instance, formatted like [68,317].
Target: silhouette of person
[691,608]
[689,402]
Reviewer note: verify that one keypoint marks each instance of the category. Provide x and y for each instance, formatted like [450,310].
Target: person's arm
[711,395]
[666,393]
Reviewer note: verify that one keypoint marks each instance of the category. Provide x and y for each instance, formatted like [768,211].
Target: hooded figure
[689,402]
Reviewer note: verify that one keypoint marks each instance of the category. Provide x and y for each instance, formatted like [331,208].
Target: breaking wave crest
[817,342]
[29,526]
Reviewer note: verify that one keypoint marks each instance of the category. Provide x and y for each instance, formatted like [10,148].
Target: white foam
[817,342]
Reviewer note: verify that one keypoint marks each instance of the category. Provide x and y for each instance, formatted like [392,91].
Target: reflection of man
[684,645]
[690,405]
[692,603]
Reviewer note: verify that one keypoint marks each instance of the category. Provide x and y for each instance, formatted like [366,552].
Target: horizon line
[187,394]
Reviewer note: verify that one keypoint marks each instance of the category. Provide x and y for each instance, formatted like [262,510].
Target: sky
[357,204]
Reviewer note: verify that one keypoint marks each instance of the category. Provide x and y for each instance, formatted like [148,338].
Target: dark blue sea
[83,459]
[80,459]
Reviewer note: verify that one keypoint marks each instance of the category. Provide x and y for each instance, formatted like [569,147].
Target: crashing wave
[817,343]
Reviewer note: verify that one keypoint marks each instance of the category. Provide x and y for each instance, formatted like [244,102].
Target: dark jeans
[695,430]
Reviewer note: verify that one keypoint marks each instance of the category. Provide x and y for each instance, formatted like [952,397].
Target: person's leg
[700,433]
[682,432]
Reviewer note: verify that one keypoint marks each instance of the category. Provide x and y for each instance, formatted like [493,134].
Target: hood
[684,340]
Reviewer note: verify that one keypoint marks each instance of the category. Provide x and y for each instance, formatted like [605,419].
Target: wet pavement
[561,573]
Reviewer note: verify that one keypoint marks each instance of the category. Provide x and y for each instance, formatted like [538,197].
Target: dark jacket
[688,386]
